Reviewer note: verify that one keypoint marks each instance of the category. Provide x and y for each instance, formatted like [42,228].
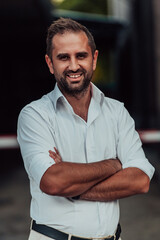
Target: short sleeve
[36,138]
[129,147]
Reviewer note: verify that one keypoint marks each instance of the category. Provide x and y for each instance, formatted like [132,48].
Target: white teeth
[74,76]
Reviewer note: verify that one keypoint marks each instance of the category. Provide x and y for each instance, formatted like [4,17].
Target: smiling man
[80,148]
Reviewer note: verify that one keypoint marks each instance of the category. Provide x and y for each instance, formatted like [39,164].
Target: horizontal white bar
[150,136]
[147,136]
[8,142]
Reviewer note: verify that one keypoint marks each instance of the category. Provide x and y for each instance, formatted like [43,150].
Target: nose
[73,64]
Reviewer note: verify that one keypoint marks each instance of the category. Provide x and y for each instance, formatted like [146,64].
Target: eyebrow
[61,55]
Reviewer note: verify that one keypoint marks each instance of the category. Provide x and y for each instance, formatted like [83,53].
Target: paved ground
[14,205]
[140,215]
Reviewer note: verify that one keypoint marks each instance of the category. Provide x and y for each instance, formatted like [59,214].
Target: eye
[81,56]
[63,57]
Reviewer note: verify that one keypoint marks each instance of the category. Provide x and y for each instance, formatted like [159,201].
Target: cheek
[88,65]
[60,68]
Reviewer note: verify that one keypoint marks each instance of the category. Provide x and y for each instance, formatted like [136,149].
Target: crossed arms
[100,181]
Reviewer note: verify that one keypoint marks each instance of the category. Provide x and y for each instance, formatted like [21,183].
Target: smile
[74,76]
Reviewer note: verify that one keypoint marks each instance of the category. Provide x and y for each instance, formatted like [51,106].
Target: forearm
[124,183]
[70,179]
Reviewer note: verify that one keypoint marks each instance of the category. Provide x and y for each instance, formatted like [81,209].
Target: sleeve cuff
[144,165]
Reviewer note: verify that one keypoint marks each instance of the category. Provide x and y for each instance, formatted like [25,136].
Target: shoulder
[113,105]
[41,108]
[116,110]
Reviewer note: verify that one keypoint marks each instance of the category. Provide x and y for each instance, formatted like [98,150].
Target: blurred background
[128,39]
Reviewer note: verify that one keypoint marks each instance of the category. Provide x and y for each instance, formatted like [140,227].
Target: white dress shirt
[108,133]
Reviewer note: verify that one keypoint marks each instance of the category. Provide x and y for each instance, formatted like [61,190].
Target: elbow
[51,183]
[144,187]
[50,188]
[141,184]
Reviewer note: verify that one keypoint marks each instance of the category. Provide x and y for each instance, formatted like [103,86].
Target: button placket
[90,145]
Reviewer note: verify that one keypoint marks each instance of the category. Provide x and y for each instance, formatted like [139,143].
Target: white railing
[147,136]
[8,142]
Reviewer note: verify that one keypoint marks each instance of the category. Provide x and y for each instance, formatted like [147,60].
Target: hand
[55,155]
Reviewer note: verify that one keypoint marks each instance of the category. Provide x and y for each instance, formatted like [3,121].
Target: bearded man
[80,148]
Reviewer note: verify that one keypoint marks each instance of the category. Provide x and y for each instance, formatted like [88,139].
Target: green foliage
[90,6]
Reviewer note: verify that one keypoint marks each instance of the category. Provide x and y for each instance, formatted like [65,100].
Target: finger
[52,153]
[58,154]
[52,156]
[59,159]
[56,160]
[56,150]
[55,156]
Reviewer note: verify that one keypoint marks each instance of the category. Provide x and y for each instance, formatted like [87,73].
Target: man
[80,149]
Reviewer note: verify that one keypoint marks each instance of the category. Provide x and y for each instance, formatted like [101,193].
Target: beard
[71,89]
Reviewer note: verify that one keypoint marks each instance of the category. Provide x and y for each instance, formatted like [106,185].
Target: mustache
[79,71]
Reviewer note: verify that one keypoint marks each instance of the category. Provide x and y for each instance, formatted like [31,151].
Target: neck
[80,102]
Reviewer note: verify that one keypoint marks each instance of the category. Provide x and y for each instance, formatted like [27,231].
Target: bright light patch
[57,1]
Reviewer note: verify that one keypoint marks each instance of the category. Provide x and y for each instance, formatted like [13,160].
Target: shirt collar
[97,95]
[56,95]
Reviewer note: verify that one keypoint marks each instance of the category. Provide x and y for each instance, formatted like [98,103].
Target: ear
[49,63]
[95,59]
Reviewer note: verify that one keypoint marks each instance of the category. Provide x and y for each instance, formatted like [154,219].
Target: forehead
[71,41]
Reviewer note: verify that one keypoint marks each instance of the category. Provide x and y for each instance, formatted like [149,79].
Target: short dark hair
[67,25]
